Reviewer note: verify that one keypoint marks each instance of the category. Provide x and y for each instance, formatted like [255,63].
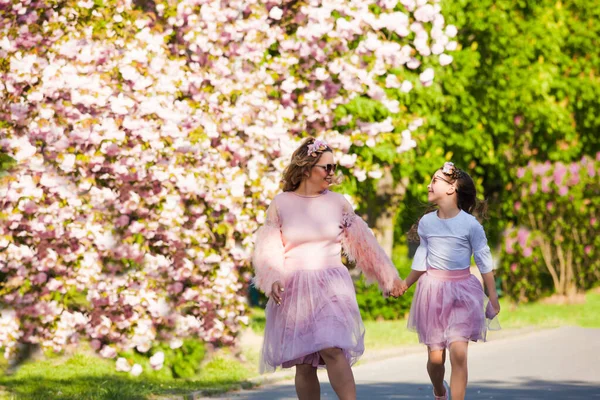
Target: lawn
[88,377]
[85,376]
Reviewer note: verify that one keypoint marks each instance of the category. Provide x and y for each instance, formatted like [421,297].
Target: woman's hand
[399,288]
[276,290]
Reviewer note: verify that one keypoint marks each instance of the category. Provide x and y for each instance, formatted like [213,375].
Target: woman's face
[321,174]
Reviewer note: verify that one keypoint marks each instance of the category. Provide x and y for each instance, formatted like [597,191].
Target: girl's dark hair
[466,200]
[300,164]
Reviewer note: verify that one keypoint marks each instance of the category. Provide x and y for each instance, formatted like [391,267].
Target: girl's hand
[399,288]
[276,290]
[495,304]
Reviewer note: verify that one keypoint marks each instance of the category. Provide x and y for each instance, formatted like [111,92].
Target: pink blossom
[276,13]
[413,63]
[136,370]
[546,184]
[513,267]
[518,120]
[122,221]
[177,287]
[563,190]
[541,169]
[522,236]
[446,59]
[534,187]
[40,278]
[451,31]
[509,245]
[108,352]
[123,365]
[559,172]
[96,344]
[406,86]
[591,170]
[134,149]
[573,180]
[157,360]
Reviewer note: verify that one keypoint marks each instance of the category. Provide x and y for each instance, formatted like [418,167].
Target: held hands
[276,291]
[400,287]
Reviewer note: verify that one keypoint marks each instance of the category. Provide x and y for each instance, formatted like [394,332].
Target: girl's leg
[307,382]
[437,370]
[340,373]
[459,377]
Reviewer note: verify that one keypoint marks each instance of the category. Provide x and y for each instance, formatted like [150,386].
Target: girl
[448,307]
[312,317]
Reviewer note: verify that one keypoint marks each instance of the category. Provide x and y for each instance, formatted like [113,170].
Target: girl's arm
[483,260]
[413,277]
[490,285]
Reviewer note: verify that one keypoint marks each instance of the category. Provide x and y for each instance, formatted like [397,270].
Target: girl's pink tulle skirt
[318,311]
[450,306]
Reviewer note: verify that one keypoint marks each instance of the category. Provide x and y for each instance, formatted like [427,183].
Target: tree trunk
[388,196]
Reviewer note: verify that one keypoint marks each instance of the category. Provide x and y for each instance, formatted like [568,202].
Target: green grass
[85,376]
[552,315]
[257,320]
[385,334]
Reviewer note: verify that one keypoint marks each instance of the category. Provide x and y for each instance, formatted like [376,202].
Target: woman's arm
[360,246]
[268,256]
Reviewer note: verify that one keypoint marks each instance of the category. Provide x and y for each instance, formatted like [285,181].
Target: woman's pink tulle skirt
[450,306]
[318,311]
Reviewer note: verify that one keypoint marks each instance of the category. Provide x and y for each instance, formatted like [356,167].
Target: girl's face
[440,187]
[321,174]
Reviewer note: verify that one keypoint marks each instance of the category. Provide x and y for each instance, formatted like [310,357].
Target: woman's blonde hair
[301,163]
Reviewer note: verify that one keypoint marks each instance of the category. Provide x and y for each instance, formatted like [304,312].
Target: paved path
[562,363]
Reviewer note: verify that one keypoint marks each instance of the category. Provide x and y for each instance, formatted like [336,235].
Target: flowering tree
[148,137]
[555,247]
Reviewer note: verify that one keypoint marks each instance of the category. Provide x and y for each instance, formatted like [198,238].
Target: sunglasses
[329,168]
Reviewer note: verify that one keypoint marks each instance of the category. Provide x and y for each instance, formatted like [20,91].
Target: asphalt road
[562,363]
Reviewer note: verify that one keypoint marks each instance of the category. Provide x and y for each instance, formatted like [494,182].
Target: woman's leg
[340,373]
[436,370]
[307,382]
[459,377]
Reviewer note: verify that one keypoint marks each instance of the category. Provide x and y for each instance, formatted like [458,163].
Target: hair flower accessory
[316,147]
[448,168]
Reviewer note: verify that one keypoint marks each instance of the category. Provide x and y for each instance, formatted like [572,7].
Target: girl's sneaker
[446,395]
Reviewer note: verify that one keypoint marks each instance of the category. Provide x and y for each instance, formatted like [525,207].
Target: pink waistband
[444,275]
[313,263]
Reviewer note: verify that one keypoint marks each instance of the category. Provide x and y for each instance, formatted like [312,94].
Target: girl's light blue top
[448,244]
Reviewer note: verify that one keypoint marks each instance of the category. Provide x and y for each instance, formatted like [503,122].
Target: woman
[312,317]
